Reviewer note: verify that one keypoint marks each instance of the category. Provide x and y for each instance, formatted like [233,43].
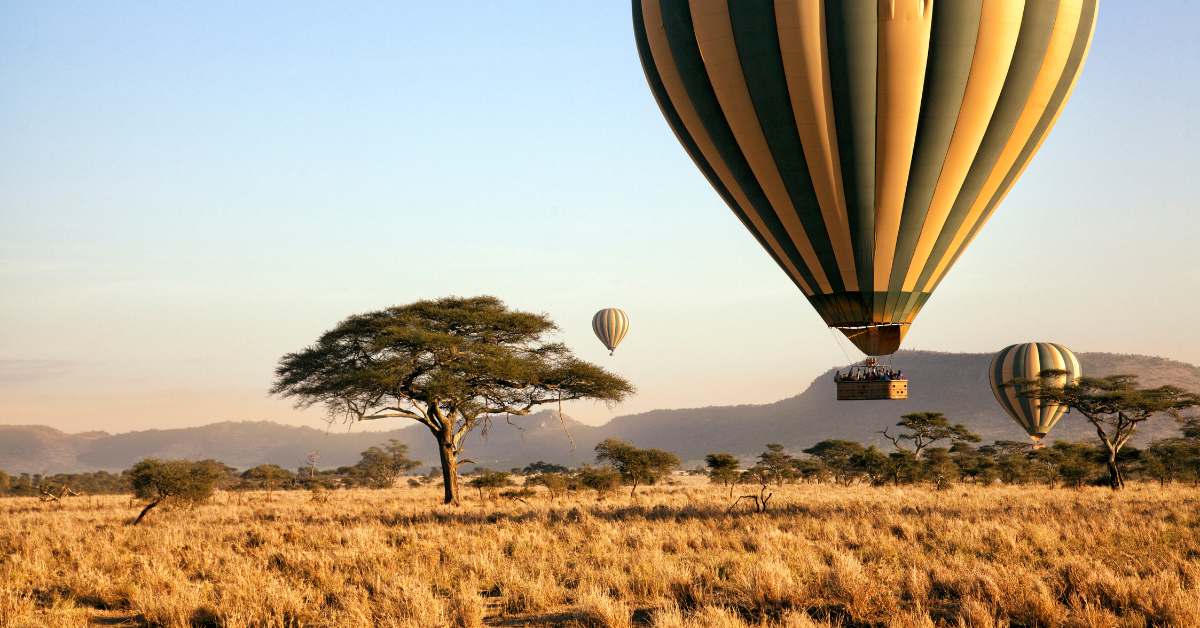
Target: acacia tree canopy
[923,429]
[450,364]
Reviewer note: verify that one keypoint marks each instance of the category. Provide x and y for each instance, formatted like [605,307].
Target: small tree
[636,466]
[535,468]
[722,469]
[491,481]
[555,483]
[809,468]
[777,463]
[1075,464]
[1171,460]
[380,466]
[600,479]
[838,456]
[872,463]
[903,467]
[923,429]
[268,477]
[1114,405]
[182,480]
[973,464]
[939,467]
[449,364]
[1176,459]
[1011,460]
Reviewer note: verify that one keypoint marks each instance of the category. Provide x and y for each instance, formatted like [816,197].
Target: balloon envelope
[863,143]
[610,325]
[1026,362]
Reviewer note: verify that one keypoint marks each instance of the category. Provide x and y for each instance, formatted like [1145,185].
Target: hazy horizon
[189,192]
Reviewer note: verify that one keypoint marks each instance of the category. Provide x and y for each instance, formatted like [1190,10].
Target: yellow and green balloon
[864,143]
[1027,362]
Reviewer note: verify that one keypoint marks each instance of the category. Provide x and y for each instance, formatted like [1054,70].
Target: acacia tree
[722,469]
[183,480]
[450,364]
[838,457]
[268,477]
[490,481]
[923,429]
[778,463]
[1114,405]
[380,466]
[636,466]
[603,480]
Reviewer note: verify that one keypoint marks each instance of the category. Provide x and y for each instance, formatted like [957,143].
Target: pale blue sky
[189,190]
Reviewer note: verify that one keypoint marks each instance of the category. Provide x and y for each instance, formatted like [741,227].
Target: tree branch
[895,439]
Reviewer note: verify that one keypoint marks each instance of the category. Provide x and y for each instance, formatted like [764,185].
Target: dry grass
[672,557]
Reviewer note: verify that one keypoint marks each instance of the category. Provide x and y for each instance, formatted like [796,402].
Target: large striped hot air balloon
[1027,362]
[610,325]
[864,143]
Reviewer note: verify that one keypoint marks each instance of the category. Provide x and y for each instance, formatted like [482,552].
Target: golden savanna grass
[672,556]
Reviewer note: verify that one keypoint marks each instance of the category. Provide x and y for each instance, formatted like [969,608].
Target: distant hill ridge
[953,383]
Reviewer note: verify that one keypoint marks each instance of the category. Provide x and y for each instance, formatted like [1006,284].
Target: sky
[190,190]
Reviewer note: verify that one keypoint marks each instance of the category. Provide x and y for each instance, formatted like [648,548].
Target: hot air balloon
[610,325]
[864,143]
[1027,362]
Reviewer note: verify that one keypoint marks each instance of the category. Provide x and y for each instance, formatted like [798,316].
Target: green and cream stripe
[864,143]
[610,325]
[1027,362]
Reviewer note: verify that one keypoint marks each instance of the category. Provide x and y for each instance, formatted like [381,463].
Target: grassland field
[671,556]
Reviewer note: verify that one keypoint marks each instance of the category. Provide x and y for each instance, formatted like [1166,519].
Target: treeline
[378,467]
[1063,463]
[925,449]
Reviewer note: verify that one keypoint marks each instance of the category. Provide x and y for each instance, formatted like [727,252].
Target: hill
[953,383]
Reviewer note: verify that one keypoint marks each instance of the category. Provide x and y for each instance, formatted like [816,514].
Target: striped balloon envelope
[1027,362]
[610,325]
[864,143]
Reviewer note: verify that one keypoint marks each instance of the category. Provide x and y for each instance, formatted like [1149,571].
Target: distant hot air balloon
[863,143]
[610,325]
[1027,362]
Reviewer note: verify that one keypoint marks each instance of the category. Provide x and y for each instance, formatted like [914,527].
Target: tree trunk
[145,510]
[449,469]
[1115,481]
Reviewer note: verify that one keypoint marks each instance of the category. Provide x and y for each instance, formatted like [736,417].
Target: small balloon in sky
[611,325]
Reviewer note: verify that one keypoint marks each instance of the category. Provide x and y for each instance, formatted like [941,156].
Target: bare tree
[48,494]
